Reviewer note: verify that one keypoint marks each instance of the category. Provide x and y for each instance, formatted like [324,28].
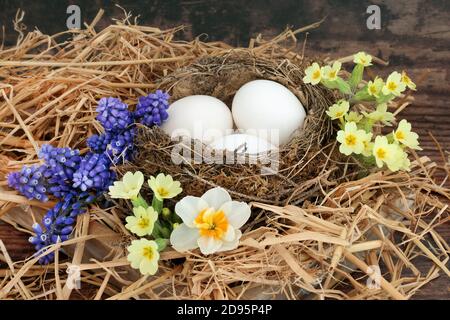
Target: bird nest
[281,176]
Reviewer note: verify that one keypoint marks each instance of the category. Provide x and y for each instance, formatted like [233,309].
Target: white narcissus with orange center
[210,222]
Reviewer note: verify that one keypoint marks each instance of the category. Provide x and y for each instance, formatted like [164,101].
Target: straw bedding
[317,226]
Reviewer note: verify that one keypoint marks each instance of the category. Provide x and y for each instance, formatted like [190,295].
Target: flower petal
[229,234]
[231,245]
[148,266]
[209,245]
[216,197]
[188,209]
[237,213]
[184,238]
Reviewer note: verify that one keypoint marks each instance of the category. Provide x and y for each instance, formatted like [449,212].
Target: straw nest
[273,178]
[321,235]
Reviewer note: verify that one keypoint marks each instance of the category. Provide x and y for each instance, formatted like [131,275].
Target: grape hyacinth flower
[58,223]
[30,182]
[151,109]
[93,173]
[113,114]
[121,145]
[98,143]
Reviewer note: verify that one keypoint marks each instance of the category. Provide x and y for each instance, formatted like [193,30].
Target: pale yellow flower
[405,136]
[211,222]
[338,110]
[363,58]
[394,84]
[388,153]
[374,87]
[313,74]
[142,222]
[407,81]
[331,73]
[164,187]
[351,139]
[353,116]
[380,115]
[144,255]
[368,145]
[129,187]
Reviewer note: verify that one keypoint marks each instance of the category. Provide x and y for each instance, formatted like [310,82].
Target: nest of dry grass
[316,230]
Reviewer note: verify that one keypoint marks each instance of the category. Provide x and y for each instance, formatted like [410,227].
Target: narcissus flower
[374,87]
[144,255]
[313,74]
[351,139]
[394,84]
[331,72]
[363,58]
[381,115]
[407,81]
[211,222]
[142,222]
[338,110]
[405,136]
[129,187]
[164,187]
[353,116]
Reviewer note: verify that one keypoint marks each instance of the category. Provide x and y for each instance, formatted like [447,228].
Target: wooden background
[414,36]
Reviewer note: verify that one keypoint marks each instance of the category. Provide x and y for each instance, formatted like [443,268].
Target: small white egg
[269,110]
[243,143]
[199,117]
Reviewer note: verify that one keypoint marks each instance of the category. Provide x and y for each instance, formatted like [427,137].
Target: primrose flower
[394,84]
[374,87]
[351,139]
[164,187]
[144,255]
[129,187]
[388,153]
[381,115]
[405,136]
[331,73]
[313,74]
[368,145]
[142,222]
[353,116]
[363,59]
[338,110]
[407,81]
[211,222]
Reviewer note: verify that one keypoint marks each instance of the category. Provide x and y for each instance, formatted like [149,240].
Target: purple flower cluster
[113,114]
[152,109]
[30,182]
[94,173]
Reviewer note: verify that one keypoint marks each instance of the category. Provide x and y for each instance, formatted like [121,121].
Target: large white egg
[199,117]
[269,110]
[243,143]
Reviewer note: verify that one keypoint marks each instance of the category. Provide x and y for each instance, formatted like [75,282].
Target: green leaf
[157,204]
[356,76]
[162,243]
[363,95]
[384,99]
[139,202]
[343,86]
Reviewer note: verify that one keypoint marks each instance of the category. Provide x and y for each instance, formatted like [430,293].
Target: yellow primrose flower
[129,187]
[368,145]
[407,81]
[363,58]
[388,153]
[313,74]
[144,255]
[374,87]
[351,139]
[331,73]
[405,136]
[338,110]
[394,84]
[211,222]
[353,116]
[142,222]
[380,114]
[164,187]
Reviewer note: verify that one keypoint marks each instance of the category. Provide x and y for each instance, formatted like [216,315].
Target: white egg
[243,143]
[199,117]
[268,109]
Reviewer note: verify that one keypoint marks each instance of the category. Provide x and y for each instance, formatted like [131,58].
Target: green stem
[157,204]
[139,202]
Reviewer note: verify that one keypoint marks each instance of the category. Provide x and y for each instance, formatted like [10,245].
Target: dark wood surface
[414,36]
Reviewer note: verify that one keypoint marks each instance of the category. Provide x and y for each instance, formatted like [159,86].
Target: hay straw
[317,239]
